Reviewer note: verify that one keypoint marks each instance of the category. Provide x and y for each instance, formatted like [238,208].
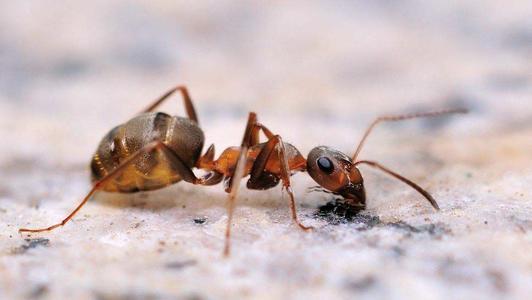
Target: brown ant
[154,150]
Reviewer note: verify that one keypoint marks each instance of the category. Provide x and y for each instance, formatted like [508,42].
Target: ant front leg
[255,133]
[189,106]
[183,170]
[259,179]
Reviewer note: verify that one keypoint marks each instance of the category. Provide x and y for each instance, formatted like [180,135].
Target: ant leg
[394,118]
[257,172]
[189,106]
[403,179]
[236,178]
[206,160]
[255,133]
[175,160]
[185,172]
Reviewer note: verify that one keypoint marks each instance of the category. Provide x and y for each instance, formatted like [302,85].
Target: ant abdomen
[151,170]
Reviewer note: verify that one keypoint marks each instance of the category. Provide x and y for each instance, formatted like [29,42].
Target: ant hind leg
[184,171]
[189,106]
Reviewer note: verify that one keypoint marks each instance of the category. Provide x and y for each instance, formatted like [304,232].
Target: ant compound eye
[325,164]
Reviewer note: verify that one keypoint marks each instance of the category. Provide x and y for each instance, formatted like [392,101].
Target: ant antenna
[394,118]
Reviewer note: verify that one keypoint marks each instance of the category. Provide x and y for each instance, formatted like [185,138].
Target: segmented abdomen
[151,170]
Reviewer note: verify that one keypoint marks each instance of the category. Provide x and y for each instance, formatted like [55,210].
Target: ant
[153,150]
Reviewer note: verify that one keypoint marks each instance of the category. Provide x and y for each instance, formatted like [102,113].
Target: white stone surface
[316,73]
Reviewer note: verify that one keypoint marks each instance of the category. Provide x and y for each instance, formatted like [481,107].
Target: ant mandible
[154,150]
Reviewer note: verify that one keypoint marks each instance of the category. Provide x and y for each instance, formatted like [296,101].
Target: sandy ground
[317,74]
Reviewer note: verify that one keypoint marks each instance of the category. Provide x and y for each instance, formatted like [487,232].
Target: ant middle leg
[183,170]
[189,106]
[260,179]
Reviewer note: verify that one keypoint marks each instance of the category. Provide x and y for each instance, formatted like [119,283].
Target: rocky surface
[316,74]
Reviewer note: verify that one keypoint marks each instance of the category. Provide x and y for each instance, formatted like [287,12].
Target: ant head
[334,171]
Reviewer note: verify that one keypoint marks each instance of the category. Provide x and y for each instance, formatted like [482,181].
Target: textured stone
[317,74]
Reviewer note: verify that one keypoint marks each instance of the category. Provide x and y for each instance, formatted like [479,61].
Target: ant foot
[305,228]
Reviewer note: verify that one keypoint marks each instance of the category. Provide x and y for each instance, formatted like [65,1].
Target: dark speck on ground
[127,296]
[30,244]
[433,229]
[200,220]
[38,292]
[398,251]
[498,280]
[361,284]
[177,265]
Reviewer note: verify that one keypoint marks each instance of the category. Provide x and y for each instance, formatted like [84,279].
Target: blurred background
[316,73]
[338,63]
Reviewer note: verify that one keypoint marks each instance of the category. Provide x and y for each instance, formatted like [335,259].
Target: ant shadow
[195,200]
[190,197]
[163,199]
